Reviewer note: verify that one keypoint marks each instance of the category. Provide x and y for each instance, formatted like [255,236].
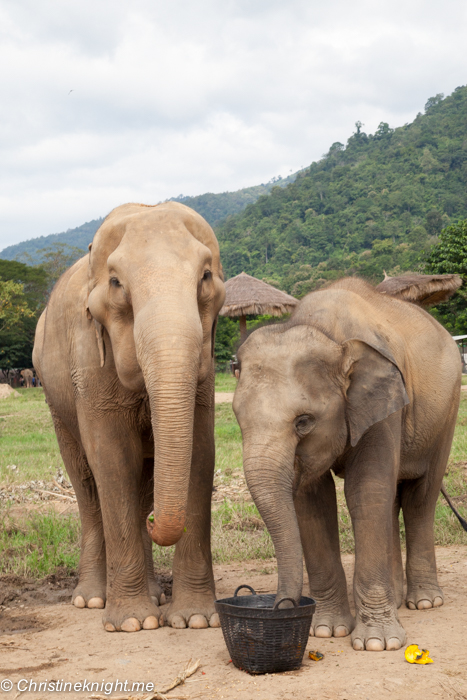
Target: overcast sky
[194,96]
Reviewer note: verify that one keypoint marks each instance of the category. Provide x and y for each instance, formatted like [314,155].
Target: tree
[433,101]
[449,256]
[13,305]
[17,336]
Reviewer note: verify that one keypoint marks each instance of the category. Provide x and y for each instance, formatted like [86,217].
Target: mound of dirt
[6,392]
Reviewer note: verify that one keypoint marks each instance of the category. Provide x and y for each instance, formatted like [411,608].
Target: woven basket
[260,637]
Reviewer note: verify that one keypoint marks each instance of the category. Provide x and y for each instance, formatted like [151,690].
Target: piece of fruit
[414,655]
[316,655]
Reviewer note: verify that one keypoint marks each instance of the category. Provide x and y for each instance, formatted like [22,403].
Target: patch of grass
[228,441]
[39,544]
[27,438]
[464,379]
[225,382]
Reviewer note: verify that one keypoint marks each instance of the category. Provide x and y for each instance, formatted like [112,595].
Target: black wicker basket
[260,637]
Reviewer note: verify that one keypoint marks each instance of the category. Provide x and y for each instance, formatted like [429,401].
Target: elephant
[125,353]
[365,386]
[27,375]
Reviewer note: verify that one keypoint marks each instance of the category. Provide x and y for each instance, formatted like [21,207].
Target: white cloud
[186,97]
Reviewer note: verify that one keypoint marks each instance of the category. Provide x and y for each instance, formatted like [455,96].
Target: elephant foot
[131,615]
[374,637]
[196,612]
[424,597]
[89,594]
[331,624]
[156,592]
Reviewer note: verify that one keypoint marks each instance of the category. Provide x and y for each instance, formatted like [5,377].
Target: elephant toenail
[411,605]
[151,623]
[424,604]
[374,645]
[131,624]
[323,631]
[437,601]
[198,622]
[96,603]
[79,602]
[178,623]
[358,645]
[341,631]
[393,644]
[162,599]
[109,627]
[161,621]
[214,620]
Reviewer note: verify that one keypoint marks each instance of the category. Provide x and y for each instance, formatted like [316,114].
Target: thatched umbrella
[426,290]
[246,295]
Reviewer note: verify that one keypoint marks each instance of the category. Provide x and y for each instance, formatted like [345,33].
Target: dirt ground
[43,637]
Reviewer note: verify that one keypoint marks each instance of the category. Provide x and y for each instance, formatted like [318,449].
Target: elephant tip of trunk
[167,533]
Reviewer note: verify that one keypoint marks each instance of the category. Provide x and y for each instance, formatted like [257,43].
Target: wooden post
[242,328]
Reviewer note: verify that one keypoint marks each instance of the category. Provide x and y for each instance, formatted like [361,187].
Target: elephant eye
[304,424]
[207,275]
[114,282]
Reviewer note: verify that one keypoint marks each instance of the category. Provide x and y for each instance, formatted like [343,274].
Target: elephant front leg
[370,488]
[319,533]
[116,459]
[90,591]
[193,593]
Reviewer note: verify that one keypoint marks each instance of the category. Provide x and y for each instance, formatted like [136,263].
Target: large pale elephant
[367,386]
[125,352]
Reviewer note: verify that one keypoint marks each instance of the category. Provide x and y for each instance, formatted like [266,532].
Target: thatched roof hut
[425,290]
[246,295]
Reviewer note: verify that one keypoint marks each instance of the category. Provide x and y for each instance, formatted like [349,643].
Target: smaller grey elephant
[367,386]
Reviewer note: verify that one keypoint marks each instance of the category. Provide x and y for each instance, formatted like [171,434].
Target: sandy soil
[45,638]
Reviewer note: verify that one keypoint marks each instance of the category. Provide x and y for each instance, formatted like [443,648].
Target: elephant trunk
[269,474]
[168,349]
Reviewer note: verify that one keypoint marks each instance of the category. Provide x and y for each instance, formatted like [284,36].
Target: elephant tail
[456,513]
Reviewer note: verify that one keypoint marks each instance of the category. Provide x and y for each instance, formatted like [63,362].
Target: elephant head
[155,289]
[302,400]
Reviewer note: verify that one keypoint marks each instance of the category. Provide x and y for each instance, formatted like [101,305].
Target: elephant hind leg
[418,506]
[419,497]
[90,591]
[398,569]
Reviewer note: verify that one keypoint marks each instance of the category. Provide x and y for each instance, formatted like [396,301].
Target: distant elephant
[368,386]
[28,376]
[125,353]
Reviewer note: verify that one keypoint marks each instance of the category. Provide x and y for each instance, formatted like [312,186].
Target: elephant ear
[376,387]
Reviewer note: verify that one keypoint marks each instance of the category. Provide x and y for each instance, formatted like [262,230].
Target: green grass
[39,543]
[27,438]
[225,382]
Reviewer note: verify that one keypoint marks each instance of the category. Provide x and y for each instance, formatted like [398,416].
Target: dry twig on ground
[190,668]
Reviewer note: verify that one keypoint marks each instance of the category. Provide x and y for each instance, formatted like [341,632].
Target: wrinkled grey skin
[367,386]
[125,354]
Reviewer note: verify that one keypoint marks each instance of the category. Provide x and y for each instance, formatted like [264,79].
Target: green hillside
[29,251]
[373,204]
[216,207]
[213,207]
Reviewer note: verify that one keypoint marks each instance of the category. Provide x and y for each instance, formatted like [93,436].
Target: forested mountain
[213,207]
[216,207]
[29,251]
[373,204]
